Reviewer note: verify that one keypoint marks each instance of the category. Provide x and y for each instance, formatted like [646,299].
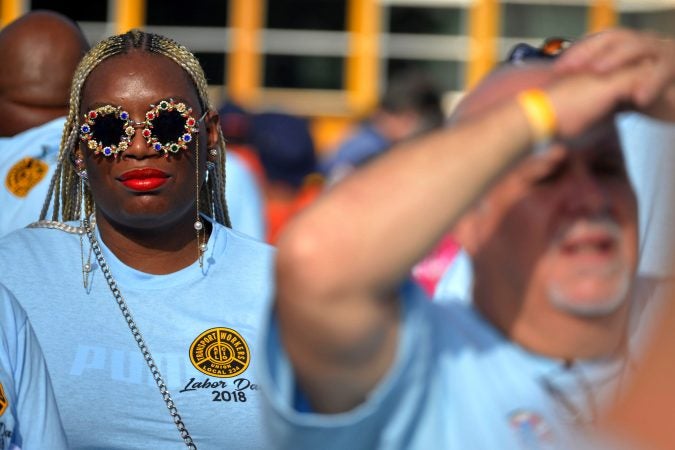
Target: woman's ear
[212,122]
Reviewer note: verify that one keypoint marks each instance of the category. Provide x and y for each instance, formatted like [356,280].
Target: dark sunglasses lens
[168,126]
[107,129]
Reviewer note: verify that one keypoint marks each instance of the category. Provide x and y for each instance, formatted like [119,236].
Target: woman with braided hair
[137,265]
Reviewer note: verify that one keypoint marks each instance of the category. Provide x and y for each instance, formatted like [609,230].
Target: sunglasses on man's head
[550,49]
[168,127]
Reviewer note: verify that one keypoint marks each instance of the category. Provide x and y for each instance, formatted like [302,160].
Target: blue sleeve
[383,419]
[38,424]
[649,151]
[456,283]
[244,199]
[363,144]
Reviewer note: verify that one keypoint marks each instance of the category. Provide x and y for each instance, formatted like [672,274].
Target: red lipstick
[143,179]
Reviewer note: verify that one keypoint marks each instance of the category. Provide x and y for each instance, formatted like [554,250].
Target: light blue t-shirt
[244,200]
[456,383]
[456,284]
[28,415]
[201,326]
[27,163]
[649,150]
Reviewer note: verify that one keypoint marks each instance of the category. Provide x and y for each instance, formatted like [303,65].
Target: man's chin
[590,298]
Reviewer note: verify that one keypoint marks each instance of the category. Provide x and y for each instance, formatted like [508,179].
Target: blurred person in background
[410,105]
[244,195]
[245,199]
[285,149]
[235,122]
[278,150]
[40,51]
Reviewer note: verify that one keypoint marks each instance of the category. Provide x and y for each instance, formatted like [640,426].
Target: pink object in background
[430,270]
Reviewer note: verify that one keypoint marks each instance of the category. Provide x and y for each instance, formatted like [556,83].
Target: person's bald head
[40,52]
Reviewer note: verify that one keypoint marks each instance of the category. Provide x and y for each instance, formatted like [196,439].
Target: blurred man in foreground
[533,167]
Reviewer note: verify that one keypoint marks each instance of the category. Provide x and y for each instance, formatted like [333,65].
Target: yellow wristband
[540,114]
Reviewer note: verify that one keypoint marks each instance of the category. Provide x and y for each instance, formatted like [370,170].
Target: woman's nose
[138,145]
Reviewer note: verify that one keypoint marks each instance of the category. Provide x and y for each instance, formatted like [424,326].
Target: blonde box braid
[64,188]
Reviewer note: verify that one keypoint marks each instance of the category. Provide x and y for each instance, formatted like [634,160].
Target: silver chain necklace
[156,375]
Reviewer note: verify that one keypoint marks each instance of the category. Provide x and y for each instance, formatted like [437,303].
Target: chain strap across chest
[156,375]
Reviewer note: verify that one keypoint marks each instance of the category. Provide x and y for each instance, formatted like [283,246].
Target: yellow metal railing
[362,68]
[11,10]
[601,15]
[244,58]
[362,71]
[483,32]
[128,14]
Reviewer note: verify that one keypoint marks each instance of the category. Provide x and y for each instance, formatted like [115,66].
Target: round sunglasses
[168,127]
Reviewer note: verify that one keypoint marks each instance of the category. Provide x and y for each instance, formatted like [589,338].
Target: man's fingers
[610,50]
[585,52]
[624,53]
[581,99]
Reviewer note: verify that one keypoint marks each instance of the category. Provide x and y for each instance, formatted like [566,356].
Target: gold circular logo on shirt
[3,400]
[24,175]
[220,352]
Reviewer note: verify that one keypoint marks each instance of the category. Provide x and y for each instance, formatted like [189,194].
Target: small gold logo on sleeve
[25,175]
[3,400]
[220,352]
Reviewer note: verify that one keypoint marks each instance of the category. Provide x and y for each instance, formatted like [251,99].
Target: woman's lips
[143,179]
